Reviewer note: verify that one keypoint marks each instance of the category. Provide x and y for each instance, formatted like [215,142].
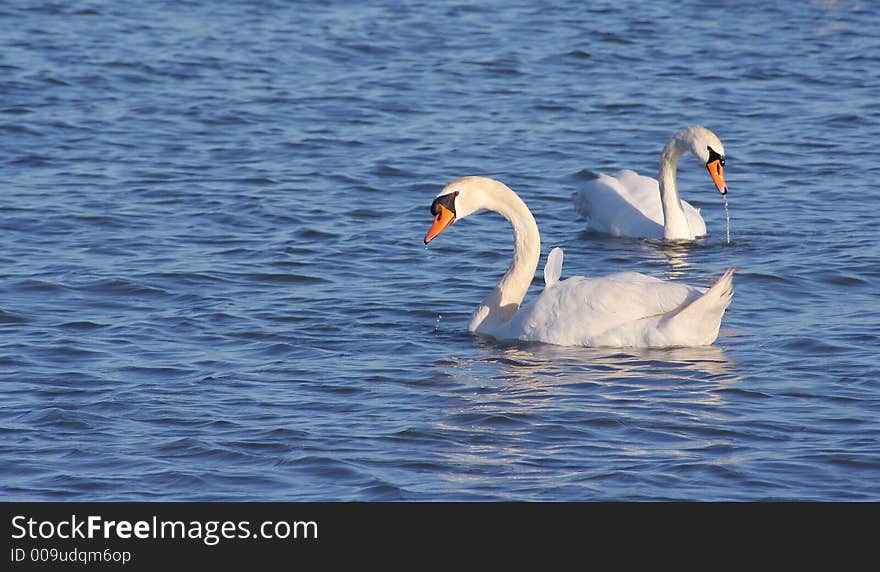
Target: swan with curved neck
[626,309]
[630,204]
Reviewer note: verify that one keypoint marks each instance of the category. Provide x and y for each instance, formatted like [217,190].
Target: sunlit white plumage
[626,309]
[629,204]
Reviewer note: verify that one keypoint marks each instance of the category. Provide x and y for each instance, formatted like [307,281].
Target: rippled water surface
[214,286]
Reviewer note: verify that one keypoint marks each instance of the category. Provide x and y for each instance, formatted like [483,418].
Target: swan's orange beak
[444,218]
[716,169]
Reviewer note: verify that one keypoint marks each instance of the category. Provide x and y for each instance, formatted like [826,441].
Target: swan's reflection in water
[524,361]
[619,252]
[693,374]
[675,253]
[677,256]
[546,415]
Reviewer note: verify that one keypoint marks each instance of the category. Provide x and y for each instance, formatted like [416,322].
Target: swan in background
[633,205]
[626,309]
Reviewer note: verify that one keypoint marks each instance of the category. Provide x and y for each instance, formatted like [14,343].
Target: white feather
[553,268]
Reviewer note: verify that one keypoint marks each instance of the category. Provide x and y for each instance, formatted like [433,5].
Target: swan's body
[626,309]
[630,204]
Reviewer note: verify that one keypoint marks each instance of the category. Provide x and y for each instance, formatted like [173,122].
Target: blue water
[214,286]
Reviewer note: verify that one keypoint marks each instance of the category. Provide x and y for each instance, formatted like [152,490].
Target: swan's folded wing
[627,204]
[580,310]
[695,219]
[644,194]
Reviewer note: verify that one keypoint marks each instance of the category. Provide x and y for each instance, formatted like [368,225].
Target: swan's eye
[447,201]
[714,156]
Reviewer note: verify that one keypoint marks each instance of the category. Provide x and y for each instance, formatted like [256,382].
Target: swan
[626,309]
[630,204]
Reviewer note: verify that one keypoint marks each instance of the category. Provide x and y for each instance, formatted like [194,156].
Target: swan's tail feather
[553,268]
[701,319]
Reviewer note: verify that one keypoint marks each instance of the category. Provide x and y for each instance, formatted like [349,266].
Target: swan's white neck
[502,303]
[675,223]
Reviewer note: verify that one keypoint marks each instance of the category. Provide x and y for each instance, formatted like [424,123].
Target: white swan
[620,310]
[633,205]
